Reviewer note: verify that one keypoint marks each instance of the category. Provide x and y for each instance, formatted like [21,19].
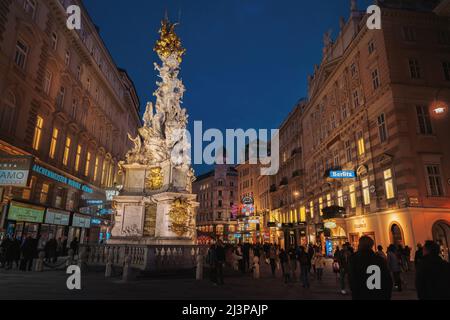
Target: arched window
[397,235]
[7,111]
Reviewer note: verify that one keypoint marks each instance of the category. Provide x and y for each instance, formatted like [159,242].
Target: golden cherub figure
[169,42]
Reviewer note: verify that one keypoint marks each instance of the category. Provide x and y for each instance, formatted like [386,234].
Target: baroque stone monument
[156,205]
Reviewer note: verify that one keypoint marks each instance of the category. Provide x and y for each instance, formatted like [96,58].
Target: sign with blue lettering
[343,174]
[60,178]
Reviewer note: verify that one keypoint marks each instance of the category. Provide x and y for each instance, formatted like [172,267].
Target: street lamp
[439,108]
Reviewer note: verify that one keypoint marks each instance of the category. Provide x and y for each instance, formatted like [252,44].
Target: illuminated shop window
[320,205]
[303,214]
[44,193]
[340,196]
[329,201]
[96,168]
[361,144]
[311,209]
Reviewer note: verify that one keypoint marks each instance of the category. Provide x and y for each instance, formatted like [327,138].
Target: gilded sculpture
[180,217]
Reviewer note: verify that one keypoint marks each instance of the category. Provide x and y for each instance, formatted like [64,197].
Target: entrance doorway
[397,235]
[441,235]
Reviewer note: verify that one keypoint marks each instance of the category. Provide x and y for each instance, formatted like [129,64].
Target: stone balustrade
[145,257]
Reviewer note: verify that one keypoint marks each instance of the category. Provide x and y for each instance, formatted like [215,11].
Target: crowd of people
[17,253]
[304,263]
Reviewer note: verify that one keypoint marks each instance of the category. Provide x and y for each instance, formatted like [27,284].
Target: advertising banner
[25,212]
[81,221]
[57,217]
[15,170]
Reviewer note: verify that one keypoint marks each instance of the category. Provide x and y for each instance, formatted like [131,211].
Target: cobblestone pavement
[52,285]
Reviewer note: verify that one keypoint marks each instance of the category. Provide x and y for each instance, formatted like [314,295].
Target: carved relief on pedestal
[154,179]
[150,220]
[180,218]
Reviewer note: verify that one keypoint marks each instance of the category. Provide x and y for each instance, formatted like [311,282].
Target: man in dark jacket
[28,254]
[220,261]
[360,273]
[212,261]
[418,256]
[433,274]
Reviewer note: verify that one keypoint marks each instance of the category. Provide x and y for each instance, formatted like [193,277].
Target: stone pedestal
[155,220]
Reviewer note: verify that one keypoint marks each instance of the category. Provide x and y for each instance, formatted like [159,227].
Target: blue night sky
[247,61]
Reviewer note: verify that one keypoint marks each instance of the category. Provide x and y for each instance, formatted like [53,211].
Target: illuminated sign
[96,221]
[14,171]
[81,221]
[342,174]
[25,212]
[111,193]
[60,178]
[58,217]
[330,225]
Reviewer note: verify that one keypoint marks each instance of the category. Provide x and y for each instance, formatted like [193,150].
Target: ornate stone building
[217,195]
[64,101]
[286,189]
[378,105]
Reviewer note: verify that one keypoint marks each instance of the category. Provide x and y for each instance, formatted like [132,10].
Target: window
[382,128]
[38,132]
[30,7]
[44,193]
[361,144]
[375,79]
[356,98]
[340,198]
[329,201]
[371,47]
[104,171]
[336,159]
[7,111]
[302,214]
[220,193]
[311,209]
[435,188]
[389,184]
[54,41]
[53,143]
[79,72]
[320,205]
[366,192]
[409,34]
[47,81]
[352,196]
[74,109]
[344,113]
[67,58]
[20,57]
[77,158]
[88,164]
[219,203]
[414,69]
[348,150]
[67,151]
[423,117]
[353,69]
[96,168]
[446,68]
[60,98]
[333,121]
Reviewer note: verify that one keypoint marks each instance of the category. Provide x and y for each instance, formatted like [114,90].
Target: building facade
[378,106]
[217,195]
[287,218]
[65,103]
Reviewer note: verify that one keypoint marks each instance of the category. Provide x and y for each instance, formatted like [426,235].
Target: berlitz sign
[15,170]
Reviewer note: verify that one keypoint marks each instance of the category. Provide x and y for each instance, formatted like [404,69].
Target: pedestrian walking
[418,256]
[211,260]
[380,252]
[220,262]
[305,266]
[74,244]
[293,261]
[319,264]
[29,248]
[359,277]
[285,265]
[343,259]
[394,266]
[433,274]
[272,258]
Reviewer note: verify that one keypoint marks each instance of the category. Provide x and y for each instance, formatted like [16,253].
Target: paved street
[52,285]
